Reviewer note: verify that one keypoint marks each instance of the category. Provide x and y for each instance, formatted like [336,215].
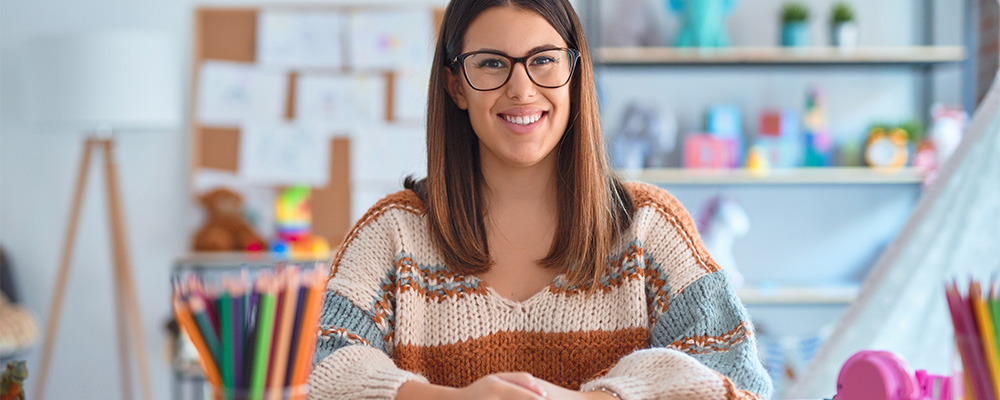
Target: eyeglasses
[489,70]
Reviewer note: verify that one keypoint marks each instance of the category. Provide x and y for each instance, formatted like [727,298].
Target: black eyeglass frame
[459,61]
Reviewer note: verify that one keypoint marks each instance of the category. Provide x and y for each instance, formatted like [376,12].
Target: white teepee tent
[954,232]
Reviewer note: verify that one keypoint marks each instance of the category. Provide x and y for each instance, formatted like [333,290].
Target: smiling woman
[520,267]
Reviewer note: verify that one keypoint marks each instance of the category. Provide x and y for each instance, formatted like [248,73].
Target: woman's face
[519,124]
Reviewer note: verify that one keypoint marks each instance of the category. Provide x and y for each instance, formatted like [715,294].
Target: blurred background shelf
[798,295]
[804,56]
[791,176]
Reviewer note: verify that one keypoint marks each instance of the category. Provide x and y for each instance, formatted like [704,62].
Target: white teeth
[523,120]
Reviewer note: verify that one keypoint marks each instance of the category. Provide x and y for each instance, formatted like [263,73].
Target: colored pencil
[237,291]
[300,304]
[979,383]
[962,340]
[282,341]
[985,335]
[307,343]
[197,306]
[279,301]
[267,290]
[226,337]
[186,322]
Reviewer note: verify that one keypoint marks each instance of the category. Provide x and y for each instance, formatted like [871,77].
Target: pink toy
[880,375]
[706,151]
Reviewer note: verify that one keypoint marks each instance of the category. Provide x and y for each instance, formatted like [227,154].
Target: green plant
[794,12]
[842,13]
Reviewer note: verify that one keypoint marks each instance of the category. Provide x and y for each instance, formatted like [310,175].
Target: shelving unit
[791,176]
[920,60]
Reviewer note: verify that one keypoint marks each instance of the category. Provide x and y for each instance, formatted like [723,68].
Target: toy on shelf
[723,123]
[225,228]
[780,137]
[817,146]
[946,132]
[293,217]
[721,222]
[887,148]
[881,375]
[703,22]
[702,150]
[757,161]
[644,139]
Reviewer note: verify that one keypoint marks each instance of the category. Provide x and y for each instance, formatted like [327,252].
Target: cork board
[223,33]
[228,34]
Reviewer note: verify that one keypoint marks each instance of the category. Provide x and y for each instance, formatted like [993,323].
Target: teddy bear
[224,228]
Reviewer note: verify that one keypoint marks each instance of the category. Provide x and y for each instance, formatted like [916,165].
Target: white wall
[37,172]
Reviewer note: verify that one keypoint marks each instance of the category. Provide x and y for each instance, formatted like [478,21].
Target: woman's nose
[520,85]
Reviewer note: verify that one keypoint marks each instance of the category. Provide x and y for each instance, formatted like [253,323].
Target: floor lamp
[124,80]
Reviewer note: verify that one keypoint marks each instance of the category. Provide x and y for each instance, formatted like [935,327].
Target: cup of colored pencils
[976,319]
[255,337]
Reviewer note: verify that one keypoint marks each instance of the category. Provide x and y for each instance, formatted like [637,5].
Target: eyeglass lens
[488,71]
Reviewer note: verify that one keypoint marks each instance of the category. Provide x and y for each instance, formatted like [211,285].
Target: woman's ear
[455,89]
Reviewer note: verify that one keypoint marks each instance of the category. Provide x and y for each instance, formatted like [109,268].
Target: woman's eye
[542,60]
[494,63]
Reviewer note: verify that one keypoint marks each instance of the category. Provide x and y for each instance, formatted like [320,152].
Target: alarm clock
[880,375]
[886,149]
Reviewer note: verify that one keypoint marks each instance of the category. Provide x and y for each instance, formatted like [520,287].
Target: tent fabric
[953,233]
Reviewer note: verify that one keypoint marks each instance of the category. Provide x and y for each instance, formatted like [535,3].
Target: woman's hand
[503,386]
[556,392]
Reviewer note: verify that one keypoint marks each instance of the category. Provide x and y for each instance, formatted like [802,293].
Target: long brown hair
[594,208]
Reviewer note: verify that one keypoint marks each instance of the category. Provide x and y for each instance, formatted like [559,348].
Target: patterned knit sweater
[665,324]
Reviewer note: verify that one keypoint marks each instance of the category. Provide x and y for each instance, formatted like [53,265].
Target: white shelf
[794,295]
[231,260]
[869,56]
[821,176]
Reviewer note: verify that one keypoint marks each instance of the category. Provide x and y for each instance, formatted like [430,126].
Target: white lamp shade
[128,80]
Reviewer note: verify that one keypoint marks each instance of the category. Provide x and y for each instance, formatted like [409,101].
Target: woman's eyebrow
[532,51]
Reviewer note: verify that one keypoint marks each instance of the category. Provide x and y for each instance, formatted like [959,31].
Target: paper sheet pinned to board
[230,93]
[341,103]
[300,39]
[276,153]
[390,39]
[410,94]
[388,153]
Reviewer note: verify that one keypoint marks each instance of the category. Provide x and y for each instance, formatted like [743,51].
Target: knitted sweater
[665,323]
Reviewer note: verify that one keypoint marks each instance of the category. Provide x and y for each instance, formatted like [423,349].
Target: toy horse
[702,22]
[720,224]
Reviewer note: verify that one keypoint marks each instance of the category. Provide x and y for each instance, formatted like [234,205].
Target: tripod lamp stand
[95,82]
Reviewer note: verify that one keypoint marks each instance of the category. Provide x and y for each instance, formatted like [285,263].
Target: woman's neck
[529,189]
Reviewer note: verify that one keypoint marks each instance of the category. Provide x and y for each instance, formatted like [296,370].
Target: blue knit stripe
[435,278]
[710,306]
[340,312]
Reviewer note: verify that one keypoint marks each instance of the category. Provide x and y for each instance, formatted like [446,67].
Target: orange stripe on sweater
[566,359]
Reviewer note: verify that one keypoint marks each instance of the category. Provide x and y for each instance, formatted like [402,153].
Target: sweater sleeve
[702,344]
[354,350]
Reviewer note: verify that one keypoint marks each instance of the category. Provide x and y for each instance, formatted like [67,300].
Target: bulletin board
[229,34]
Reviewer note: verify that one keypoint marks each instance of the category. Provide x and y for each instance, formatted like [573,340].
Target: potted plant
[794,25]
[843,29]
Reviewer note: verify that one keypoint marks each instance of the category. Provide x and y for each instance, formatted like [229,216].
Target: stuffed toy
[224,228]
[12,381]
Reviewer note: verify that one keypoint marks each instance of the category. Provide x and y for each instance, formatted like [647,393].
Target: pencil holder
[300,392]
[254,334]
